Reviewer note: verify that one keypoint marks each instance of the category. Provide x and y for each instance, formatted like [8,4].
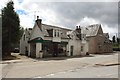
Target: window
[50,32]
[81,48]
[55,33]
[83,37]
[58,33]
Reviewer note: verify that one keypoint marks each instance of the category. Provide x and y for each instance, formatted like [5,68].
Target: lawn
[116,46]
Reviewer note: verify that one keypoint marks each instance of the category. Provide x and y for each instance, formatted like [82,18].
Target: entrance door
[33,50]
[71,50]
[26,51]
[55,51]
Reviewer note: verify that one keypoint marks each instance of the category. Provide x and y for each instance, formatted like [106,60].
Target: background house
[98,42]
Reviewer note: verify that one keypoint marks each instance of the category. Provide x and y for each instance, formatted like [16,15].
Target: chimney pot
[39,22]
[76,27]
[37,17]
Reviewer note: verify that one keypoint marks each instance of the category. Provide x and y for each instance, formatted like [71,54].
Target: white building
[47,40]
[24,41]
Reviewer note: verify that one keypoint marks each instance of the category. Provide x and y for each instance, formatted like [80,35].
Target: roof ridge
[57,26]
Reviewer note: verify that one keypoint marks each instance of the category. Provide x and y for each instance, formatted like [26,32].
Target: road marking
[50,75]
[38,77]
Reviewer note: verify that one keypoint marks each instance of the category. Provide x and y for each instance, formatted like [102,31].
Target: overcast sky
[68,14]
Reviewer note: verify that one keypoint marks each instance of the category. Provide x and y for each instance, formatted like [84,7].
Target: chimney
[38,21]
[78,29]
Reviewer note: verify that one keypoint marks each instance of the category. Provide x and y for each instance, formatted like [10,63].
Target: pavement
[62,67]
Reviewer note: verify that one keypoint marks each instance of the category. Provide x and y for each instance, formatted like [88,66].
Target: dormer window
[50,32]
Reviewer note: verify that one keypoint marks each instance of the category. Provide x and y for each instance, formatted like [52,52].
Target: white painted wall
[76,47]
[84,43]
[56,39]
[28,49]
[38,49]
[23,43]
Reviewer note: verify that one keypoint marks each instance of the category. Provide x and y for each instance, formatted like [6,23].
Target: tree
[10,28]
[118,40]
[113,39]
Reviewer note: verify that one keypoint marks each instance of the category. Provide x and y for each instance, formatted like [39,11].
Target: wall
[76,47]
[38,49]
[24,43]
[85,47]
[92,45]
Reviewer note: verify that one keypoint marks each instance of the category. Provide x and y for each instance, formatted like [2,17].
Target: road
[61,67]
[88,72]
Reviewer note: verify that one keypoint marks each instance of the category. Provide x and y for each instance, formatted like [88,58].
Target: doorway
[33,50]
[55,49]
[71,50]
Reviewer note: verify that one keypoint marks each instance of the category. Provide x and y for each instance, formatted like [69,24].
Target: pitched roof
[106,35]
[73,32]
[90,30]
[51,26]
[45,27]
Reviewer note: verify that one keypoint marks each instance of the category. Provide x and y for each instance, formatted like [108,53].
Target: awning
[38,40]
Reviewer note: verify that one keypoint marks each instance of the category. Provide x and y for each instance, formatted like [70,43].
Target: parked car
[16,50]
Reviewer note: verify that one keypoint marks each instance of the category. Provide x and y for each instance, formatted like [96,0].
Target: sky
[68,13]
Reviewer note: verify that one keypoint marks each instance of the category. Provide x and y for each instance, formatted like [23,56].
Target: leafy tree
[10,28]
[113,39]
[118,40]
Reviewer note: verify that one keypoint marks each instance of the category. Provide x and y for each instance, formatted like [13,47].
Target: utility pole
[35,15]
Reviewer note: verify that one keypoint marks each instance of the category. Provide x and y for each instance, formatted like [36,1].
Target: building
[47,40]
[24,41]
[98,42]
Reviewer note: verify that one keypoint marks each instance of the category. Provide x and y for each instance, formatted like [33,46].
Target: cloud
[69,14]
[88,21]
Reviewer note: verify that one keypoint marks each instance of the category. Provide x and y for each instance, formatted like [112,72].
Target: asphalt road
[88,72]
[81,67]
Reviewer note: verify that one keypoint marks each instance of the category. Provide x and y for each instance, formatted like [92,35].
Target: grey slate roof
[106,35]
[90,30]
[63,30]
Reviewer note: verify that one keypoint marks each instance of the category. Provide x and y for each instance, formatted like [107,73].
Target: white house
[47,40]
[24,41]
